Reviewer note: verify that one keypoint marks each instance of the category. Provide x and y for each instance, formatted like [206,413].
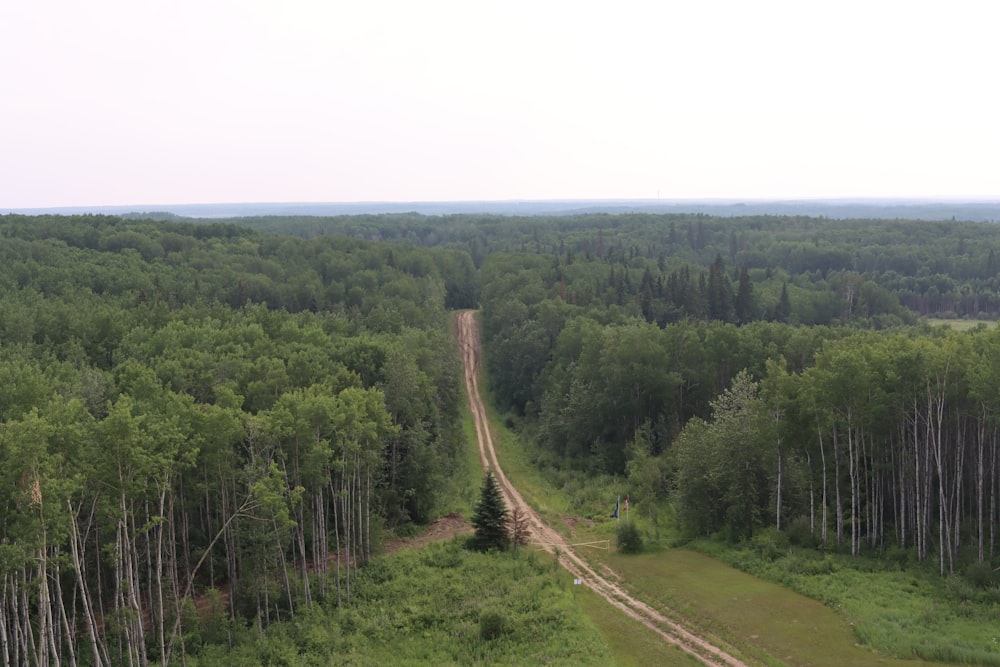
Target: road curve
[553,541]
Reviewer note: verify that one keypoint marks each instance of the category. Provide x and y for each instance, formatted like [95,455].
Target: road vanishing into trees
[670,630]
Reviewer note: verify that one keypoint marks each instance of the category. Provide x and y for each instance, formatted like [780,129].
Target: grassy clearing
[469,475]
[774,623]
[959,325]
[439,605]
[804,607]
[630,642]
[896,611]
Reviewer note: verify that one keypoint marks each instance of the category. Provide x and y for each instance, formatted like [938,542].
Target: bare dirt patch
[445,528]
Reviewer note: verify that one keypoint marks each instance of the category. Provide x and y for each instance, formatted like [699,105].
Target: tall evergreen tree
[721,304]
[490,517]
[744,297]
[784,305]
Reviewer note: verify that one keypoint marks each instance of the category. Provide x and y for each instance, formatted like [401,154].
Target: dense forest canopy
[190,406]
[931,268]
[634,345]
[187,407]
[615,337]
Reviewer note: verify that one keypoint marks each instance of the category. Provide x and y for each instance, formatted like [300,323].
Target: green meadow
[773,623]
[438,605]
[959,324]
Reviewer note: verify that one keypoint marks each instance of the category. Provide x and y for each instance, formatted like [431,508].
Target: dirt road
[551,540]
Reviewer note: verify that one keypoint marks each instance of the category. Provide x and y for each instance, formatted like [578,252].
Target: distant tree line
[932,268]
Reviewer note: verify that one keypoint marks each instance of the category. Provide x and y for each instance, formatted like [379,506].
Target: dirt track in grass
[546,537]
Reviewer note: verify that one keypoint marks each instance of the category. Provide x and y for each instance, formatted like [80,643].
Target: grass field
[438,605]
[959,325]
[773,622]
[631,644]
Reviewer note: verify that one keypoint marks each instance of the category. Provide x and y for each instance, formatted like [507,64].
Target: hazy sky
[193,101]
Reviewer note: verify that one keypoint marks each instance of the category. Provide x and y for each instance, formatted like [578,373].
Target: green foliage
[628,538]
[806,563]
[649,476]
[799,532]
[492,624]
[280,397]
[981,575]
[896,611]
[490,517]
[437,605]
[722,465]
[203,403]
[769,543]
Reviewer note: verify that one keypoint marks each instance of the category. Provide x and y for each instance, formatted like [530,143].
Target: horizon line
[164,207]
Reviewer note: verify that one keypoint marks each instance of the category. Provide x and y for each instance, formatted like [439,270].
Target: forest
[677,349]
[835,271]
[192,407]
[867,430]
[248,406]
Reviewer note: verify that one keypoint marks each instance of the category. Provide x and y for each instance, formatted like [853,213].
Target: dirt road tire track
[553,541]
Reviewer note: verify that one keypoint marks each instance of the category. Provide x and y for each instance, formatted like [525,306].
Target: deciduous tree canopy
[190,406]
[186,407]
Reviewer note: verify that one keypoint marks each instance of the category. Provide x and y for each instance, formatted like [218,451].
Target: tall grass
[906,611]
[959,325]
[440,605]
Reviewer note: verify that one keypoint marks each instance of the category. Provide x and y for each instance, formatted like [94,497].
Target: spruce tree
[721,303]
[744,297]
[490,517]
[784,305]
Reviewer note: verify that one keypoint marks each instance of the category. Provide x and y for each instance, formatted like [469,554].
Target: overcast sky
[127,102]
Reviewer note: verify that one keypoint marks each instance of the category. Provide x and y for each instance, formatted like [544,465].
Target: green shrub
[800,534]
[629,539]
[980,575]
[898,555]
[408,529]
[809,564]
[959,588]
[769,543]
[492,624]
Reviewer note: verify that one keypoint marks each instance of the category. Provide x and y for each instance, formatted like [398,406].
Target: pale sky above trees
[191,101]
